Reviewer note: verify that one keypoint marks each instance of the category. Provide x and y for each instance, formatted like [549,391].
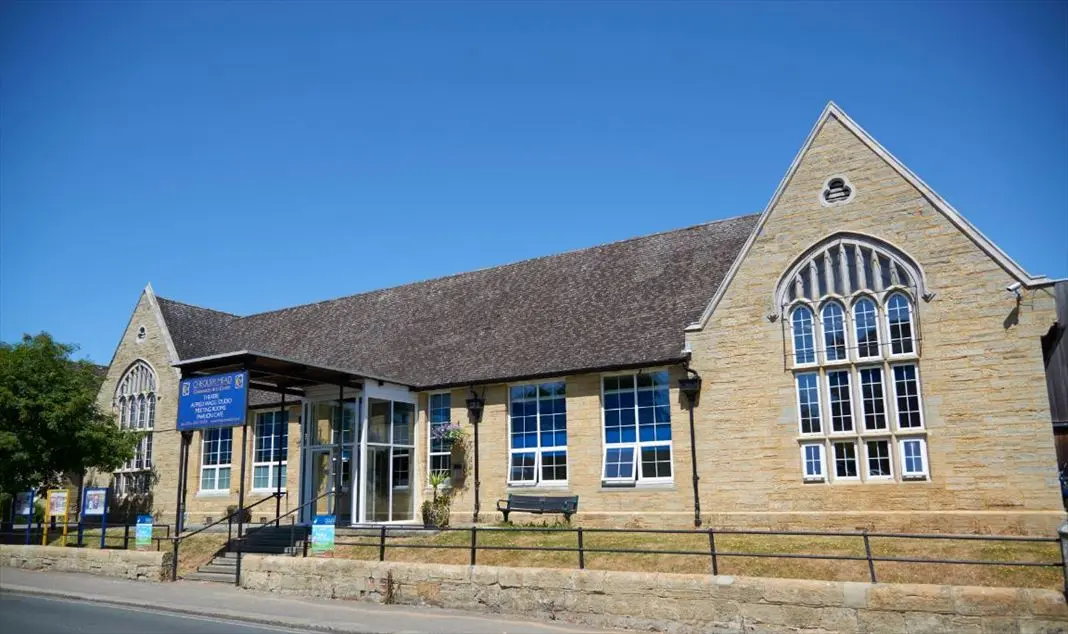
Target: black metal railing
[229,519]
[382,536]
[35,535]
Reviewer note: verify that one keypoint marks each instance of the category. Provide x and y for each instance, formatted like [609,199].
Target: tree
[50,424]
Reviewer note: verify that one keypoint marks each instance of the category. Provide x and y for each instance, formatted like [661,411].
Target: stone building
[867,358]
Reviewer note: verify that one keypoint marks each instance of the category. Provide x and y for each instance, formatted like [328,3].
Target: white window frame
[135,400]
[819,404]
[919,398]
[215,467]
[538,450]
[826,385]
[889,458]
[864,401]
[834,458]
[852,317]
[911,305]
[430,453]
[913,475]
[844,314]
[638,479]
[813,318]
[821,448]
[272,465]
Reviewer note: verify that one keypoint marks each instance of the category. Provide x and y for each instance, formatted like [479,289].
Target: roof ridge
[212,310]
[498,266]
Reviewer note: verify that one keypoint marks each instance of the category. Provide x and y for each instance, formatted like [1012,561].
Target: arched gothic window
[135,401]
[856,366]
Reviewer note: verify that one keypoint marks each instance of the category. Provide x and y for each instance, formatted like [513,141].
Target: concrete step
[213,568]
[228,562]
[218,577]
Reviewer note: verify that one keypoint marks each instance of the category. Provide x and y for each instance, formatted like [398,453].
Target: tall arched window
[135,401]
[856,367]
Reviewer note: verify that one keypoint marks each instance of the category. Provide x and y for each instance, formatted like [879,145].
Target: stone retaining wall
[124,564]
[668,602]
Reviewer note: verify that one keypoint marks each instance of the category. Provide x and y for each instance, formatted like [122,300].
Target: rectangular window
[812,459]
[845,460]
[872,401]
[215,454]
[440,416]
[913,458]
[907,396]
[270,450]
[878,459]
[840,401]
[537,434]
[808,402]
[637,427]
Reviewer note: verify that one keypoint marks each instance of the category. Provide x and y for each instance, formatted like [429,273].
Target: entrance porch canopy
[272,373]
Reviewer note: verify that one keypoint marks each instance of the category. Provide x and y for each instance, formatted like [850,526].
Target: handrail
[272,496]
[278,520]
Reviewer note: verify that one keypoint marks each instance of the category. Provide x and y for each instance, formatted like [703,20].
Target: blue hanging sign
[212,401]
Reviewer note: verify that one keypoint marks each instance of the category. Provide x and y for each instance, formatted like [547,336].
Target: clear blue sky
[250,156]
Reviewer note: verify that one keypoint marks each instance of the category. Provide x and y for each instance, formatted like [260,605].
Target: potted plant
[436,510]
[455,437]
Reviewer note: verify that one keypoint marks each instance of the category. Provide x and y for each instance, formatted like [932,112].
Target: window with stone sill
[135,406]
[636,414]
[849,312]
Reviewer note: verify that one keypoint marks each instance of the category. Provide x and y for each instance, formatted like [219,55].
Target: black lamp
[691,386]
[475,405]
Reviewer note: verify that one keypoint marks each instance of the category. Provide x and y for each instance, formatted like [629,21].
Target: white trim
[863,427]
[819,404]
[430,453]
[919,397]
[890,354]
[636,480]
[905,474]
[215,490]
[852,419]
[822,477]
[538,450]
[834,458]
[832,110]
[272,465]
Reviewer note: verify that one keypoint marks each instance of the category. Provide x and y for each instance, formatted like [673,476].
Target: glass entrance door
[388,475]
[330,452]
[321,482]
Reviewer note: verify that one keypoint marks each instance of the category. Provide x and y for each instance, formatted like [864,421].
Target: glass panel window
[866,325]
[440,416]
[270,450]
[878,459]
[804,340]
[135,400]
[871,392]
[913,458]
[808,399]
[907,395]
[637,426]
[215,455]
[834,332]
[845,460]
[537,433]
[812,460]
[899,319]
[840,400]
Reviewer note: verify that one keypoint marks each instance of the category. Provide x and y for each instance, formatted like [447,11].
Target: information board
[143,534]
[322,537]
[212,401]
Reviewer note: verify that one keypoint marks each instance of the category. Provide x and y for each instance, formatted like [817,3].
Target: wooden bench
[540,504]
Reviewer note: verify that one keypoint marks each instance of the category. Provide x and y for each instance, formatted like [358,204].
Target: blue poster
[143,536]
[212,401]
[322,534]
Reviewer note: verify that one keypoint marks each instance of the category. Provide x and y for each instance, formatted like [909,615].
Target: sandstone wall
[668,602]
[123,564]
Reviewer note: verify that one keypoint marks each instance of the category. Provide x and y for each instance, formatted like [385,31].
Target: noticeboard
[322,534]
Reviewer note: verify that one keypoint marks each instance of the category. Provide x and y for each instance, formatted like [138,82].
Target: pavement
[80,603]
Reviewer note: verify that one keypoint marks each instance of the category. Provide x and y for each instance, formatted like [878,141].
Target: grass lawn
[194,551]
[399,549]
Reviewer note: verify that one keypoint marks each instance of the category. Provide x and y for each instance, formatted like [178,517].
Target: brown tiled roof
[620,304]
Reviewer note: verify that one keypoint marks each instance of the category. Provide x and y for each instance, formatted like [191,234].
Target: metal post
[278,470]
[29,518]
[712,550]
[241,494]
[174,560]
[187,441]
[104,518]
[382,544]
[474,543]
[867,552]
[126,535]
[478,483]
[1062,532]
[335,464]
[693,466]
[582,551]
[229,531]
